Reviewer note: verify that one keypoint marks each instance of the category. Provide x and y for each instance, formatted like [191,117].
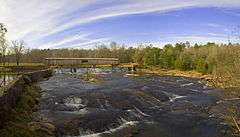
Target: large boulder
[45,128]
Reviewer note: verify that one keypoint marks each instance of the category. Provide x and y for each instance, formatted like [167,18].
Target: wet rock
[159,96]
[145,88]
[98,121]
[47,129]
[27,79]
[37,100]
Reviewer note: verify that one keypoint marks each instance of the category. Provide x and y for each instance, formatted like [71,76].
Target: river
[116,104]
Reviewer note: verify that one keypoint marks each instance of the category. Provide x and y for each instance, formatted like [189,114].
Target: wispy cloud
[33,20]
[199,39]
[213,25]
[83,37]
[88,44]
[30,20]
[93,42]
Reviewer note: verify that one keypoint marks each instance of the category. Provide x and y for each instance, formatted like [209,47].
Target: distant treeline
[221,60]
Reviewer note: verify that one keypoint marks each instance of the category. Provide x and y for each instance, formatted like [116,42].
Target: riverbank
[18,119]
[18,103]
[208,78]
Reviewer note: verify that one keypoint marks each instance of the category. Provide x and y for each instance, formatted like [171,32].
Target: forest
[220,60]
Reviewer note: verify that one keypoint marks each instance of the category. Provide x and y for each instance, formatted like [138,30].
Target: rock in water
[46,128]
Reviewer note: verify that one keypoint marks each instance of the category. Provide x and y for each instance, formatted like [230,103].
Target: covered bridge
[80,61]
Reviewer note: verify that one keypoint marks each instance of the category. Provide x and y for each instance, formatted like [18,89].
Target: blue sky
[85,23]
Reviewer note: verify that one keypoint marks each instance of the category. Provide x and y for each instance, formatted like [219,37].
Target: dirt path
[120,105]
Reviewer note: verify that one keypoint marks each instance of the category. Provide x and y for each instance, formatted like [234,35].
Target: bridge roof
[110,59]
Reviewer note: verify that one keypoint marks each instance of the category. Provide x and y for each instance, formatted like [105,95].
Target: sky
[85,23]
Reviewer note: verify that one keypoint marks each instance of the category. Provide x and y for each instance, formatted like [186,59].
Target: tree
[201,65]
[138,55]
[151,56]
[17,49]
[184,61]
[167,57]
[3,44]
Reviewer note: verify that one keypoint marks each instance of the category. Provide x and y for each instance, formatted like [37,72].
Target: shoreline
[208,78]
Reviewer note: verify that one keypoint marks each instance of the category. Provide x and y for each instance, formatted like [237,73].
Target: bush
[19,117]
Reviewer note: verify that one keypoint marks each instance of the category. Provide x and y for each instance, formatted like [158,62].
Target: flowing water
[122,105]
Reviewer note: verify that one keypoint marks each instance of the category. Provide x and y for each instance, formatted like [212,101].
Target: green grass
[21,64]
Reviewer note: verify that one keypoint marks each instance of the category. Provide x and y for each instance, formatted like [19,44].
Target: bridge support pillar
[73,69]
[113,68]
[94,68]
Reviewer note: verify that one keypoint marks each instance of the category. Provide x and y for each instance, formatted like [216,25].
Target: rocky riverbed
[143,105]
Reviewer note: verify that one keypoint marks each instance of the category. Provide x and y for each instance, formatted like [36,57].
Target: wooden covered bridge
[93,62]
[81,61]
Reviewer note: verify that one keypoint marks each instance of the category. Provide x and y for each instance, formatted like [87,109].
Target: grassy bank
[193,74]
[16,121]
[21,64]
[18,118]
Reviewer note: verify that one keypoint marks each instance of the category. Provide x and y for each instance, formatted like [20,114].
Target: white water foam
[74,102]
[176,97]
[78,112]
[122,126]
[172,97]
[142,113]
[188,84]
[195,90]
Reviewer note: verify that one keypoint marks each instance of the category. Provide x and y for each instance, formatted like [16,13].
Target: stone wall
[39,75]
[15,88]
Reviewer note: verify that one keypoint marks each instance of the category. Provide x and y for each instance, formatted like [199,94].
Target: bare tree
[3,44]
[17,49]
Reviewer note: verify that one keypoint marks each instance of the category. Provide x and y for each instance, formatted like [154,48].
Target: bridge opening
[74,63]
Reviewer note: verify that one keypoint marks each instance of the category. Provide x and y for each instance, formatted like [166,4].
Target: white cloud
[32,20]
[144,6]
[29,20]
[214,25]
[69,39]
[89,43]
